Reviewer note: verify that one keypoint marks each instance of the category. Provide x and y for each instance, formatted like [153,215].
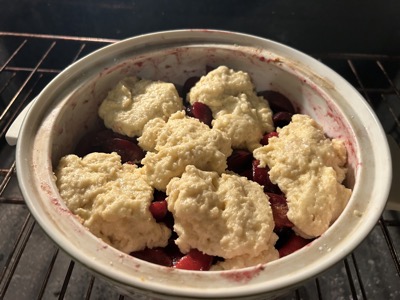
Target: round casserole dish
[67,108]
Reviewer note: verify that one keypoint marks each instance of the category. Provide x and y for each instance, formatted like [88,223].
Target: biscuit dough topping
[208,184]
[134,101]
[236,108]
[227,216]
[179,142]
[112,200]
[309,169]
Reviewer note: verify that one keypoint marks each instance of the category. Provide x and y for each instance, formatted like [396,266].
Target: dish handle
[13,132]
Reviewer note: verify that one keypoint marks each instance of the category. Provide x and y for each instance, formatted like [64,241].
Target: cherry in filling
[108,141]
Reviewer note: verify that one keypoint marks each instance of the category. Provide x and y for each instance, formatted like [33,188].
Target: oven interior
[32,266]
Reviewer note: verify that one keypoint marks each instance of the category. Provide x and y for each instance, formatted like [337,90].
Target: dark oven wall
[311,26]
[39,39]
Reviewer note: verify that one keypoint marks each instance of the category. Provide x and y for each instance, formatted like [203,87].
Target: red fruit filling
[265,139]
[279,211]
[209,68]
[241,162]
[261,176]
[195,260]
[189,83]
[200,111]
[277,101]
[107,141]
[159,210]
[129,151]
[156,256]
[293,243]
[282,118]
[172,249]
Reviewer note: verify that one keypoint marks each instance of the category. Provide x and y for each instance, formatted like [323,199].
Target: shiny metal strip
[391,247]
[40,70]
[13,55]
[79,52]
[7,83]
[380,65]
[17,109]
[90,288]
[355,73]
[26,81]
[357,270]
[48,273]
[7,178]
[350,278]
[356,56]
[381,222]
[13,200]
[395,89]
[66,280]
[13,259]
[59,37]
[318,287]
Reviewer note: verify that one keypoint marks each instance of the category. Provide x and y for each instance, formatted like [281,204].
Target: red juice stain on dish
[73,105]
[57,204]
[101,246]
[177,52]
[112,69]
[341,126]
[46,188]
[345,134]
[59,208]
[123,68]
[269,60]
[243,276]
[341,131]
[138,64]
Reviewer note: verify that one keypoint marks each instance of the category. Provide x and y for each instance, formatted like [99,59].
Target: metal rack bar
[390,244]
[12,262]
[362,87]
[350,279]
[318,287]
[66,280]
[47,275]
[15,112]
[13,55]
[7,178]
[90,288]
[12,101]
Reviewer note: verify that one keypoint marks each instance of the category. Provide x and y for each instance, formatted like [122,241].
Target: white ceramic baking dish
[67,108]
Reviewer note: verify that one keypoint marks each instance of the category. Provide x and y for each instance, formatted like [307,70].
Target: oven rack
[33,267]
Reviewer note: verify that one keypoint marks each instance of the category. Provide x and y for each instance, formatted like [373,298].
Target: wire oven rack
[33,267]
